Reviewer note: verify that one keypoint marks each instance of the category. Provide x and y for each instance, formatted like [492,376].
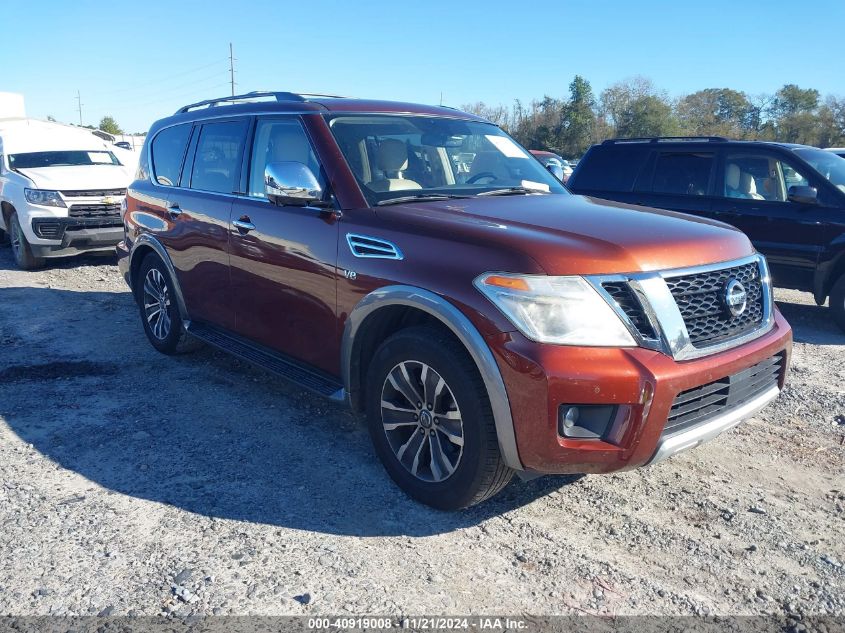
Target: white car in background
[61,190]
[839,151]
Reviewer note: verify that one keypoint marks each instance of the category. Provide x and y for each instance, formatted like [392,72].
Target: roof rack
[664,139]
[258,94]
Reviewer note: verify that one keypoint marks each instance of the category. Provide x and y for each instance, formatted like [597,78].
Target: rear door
[681,180]
[752,194]
[199,210]
[284,276]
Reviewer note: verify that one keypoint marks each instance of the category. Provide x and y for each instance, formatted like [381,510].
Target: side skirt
[270,360]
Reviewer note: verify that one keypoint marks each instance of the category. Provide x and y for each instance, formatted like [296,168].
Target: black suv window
[683,173]
[610,168]
[217,162]
[168,150]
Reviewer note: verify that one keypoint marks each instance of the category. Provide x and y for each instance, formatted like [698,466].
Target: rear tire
[21,249]
[160,318]
[451,457]
[837,301]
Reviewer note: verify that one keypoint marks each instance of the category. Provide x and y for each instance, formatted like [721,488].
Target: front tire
[21,249]
[837,301]
[430,420]
[158,307]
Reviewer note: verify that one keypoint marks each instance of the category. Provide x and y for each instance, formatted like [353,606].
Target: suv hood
[568,234]
[78,177]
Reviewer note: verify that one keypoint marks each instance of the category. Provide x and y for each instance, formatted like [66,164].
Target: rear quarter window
[609,168]
[168,152]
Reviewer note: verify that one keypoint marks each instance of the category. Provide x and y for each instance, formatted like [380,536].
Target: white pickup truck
[61,191]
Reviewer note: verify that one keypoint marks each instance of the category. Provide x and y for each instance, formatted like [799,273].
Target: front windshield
[33,160]
[407,156]
[827,164]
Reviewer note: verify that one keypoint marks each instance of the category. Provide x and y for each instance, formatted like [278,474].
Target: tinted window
[683,173]
[217,162]
[168,150]
[279,141]
[609,168]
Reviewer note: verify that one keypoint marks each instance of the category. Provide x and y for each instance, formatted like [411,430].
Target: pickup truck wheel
[20,247]
[430,420]
[159,311]
[837,301]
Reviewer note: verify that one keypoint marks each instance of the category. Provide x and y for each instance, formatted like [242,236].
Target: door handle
[174,211]
[243,224]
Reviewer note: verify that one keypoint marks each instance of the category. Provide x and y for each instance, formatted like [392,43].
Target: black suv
[789,199]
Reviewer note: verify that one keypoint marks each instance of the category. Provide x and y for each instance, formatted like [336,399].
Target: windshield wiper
[511,191]
[417,197]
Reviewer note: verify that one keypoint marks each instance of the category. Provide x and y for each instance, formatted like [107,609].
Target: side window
[168,150]
[683,173]
[759,176]
[279,141]
[610,168]
[217,162]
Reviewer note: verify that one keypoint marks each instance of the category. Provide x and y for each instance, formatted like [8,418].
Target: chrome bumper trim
[685,440]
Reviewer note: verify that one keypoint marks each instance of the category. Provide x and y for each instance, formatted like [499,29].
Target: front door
[753,195]
[283,264]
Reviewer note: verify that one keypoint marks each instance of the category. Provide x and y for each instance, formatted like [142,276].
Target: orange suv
[420,265]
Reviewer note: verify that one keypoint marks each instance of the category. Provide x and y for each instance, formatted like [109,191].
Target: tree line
[636,108]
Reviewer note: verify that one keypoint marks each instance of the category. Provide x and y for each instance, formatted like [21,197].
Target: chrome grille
[685,312]
[700,299]
[624,297]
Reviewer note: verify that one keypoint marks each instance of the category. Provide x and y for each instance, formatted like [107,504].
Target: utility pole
[232,68]
[79,105]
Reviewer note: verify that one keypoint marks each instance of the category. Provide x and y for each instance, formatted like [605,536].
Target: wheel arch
[143,246]
[6,210]
[824,283]
[378,312]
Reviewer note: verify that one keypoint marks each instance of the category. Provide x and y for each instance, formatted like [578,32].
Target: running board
[307,378]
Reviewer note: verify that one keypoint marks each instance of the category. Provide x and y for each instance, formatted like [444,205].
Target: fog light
[570,418]
[585,421]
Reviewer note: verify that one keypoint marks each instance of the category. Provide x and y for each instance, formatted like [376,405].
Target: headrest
[392,155]
[747,183]
[732,176]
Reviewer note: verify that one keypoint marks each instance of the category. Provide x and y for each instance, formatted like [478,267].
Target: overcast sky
[140,61]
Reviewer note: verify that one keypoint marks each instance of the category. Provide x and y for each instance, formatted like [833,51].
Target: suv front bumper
[69,236]
[642,384]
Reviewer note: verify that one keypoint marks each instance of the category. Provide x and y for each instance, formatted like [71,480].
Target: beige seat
[740,184]
[392,159]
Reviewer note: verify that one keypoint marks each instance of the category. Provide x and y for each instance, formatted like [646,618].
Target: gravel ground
[134,483]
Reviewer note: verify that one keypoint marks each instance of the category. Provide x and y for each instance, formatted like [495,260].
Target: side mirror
[803,195]
[292,183]
[556,170]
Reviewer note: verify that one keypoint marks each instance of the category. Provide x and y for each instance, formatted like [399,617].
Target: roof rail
[258,94]
[669,139]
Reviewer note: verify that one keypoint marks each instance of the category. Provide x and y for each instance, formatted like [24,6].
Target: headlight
[559,310]
[44,197]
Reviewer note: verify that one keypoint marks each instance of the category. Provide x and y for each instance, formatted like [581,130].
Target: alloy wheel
[157,304]
[422,421]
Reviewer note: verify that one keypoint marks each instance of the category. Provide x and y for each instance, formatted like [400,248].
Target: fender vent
[372,247]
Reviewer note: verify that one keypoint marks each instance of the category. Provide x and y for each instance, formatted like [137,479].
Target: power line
[158,81]
[79,104]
